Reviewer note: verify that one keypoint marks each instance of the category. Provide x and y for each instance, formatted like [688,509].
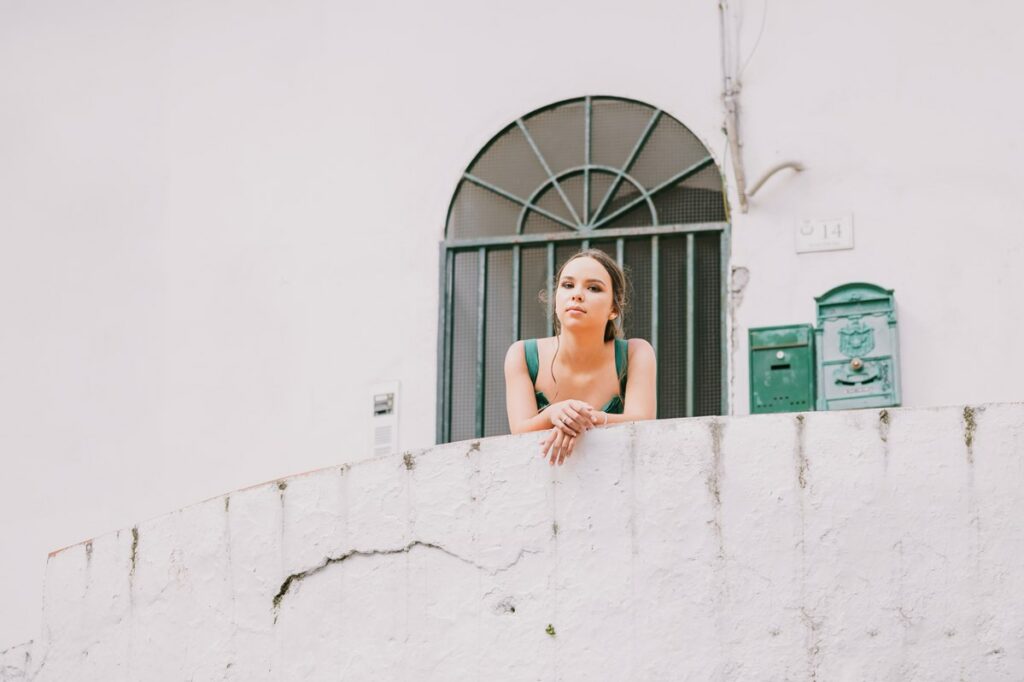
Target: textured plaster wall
[870,545]
[198,199]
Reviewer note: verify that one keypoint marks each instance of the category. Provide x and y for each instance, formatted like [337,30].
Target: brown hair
[620,283]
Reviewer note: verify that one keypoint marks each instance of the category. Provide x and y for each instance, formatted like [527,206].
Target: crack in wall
[17,671]
[713,481]
[4,652]
[48,639]
[801,456]
[230,578]
[884,421]
[813,640]
[135,551]
[330,561]
[812,626]
[970,427]
[976,546]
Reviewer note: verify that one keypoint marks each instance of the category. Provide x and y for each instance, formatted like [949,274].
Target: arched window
[599,172]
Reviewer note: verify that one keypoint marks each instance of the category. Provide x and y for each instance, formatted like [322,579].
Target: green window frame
[600,172]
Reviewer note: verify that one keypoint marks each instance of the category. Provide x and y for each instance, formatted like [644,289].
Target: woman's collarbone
[593,390]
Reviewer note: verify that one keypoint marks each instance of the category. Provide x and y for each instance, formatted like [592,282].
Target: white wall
[220,220]
[869,545]
[902,118]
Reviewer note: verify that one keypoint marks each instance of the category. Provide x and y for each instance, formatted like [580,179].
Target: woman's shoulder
[545,342]
[517,351]
[521,343]
[640,348]
[515,360]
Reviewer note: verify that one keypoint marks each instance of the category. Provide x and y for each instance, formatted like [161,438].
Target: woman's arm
[641,401]
[573,416]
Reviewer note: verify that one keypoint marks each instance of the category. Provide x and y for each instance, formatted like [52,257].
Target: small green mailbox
[782,369]
[857,348]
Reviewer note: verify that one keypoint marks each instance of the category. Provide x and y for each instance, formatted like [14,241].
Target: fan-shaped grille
[586,164]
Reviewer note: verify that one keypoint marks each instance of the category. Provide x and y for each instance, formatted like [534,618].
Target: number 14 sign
[829,234]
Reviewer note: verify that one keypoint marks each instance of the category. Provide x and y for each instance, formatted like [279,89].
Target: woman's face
[583,295]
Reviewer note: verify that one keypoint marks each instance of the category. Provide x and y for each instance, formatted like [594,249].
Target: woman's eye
[567,285]
[595,288]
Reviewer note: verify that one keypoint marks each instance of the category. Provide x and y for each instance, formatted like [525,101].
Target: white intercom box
[384,401]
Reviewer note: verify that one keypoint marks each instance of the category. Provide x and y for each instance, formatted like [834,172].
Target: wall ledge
[870,544]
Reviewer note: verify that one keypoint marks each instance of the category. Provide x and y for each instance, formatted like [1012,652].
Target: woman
[554,383]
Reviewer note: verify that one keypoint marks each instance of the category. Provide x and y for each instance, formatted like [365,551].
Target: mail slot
[782,369]
[857,348]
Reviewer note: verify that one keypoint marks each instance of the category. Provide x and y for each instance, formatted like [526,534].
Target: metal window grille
[597,172]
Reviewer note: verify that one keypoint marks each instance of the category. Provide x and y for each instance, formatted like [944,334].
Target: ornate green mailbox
[782,369]
[857,348]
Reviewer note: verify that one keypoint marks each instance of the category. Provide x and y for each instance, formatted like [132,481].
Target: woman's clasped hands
[569,420]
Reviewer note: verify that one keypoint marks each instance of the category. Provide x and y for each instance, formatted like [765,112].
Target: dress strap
[533,359]
[622,363]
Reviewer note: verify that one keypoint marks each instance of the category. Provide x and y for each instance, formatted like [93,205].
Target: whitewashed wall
[890,108]
[870,545]
[219,220]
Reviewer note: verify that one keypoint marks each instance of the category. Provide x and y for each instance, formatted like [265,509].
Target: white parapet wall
[867,545]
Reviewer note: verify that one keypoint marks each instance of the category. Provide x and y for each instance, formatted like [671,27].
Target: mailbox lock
[856,364]
[780,355]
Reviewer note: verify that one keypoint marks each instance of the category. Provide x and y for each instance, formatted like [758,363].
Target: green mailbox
[857,349]
[782,369]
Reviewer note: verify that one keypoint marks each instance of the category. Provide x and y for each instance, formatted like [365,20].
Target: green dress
[614,406]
